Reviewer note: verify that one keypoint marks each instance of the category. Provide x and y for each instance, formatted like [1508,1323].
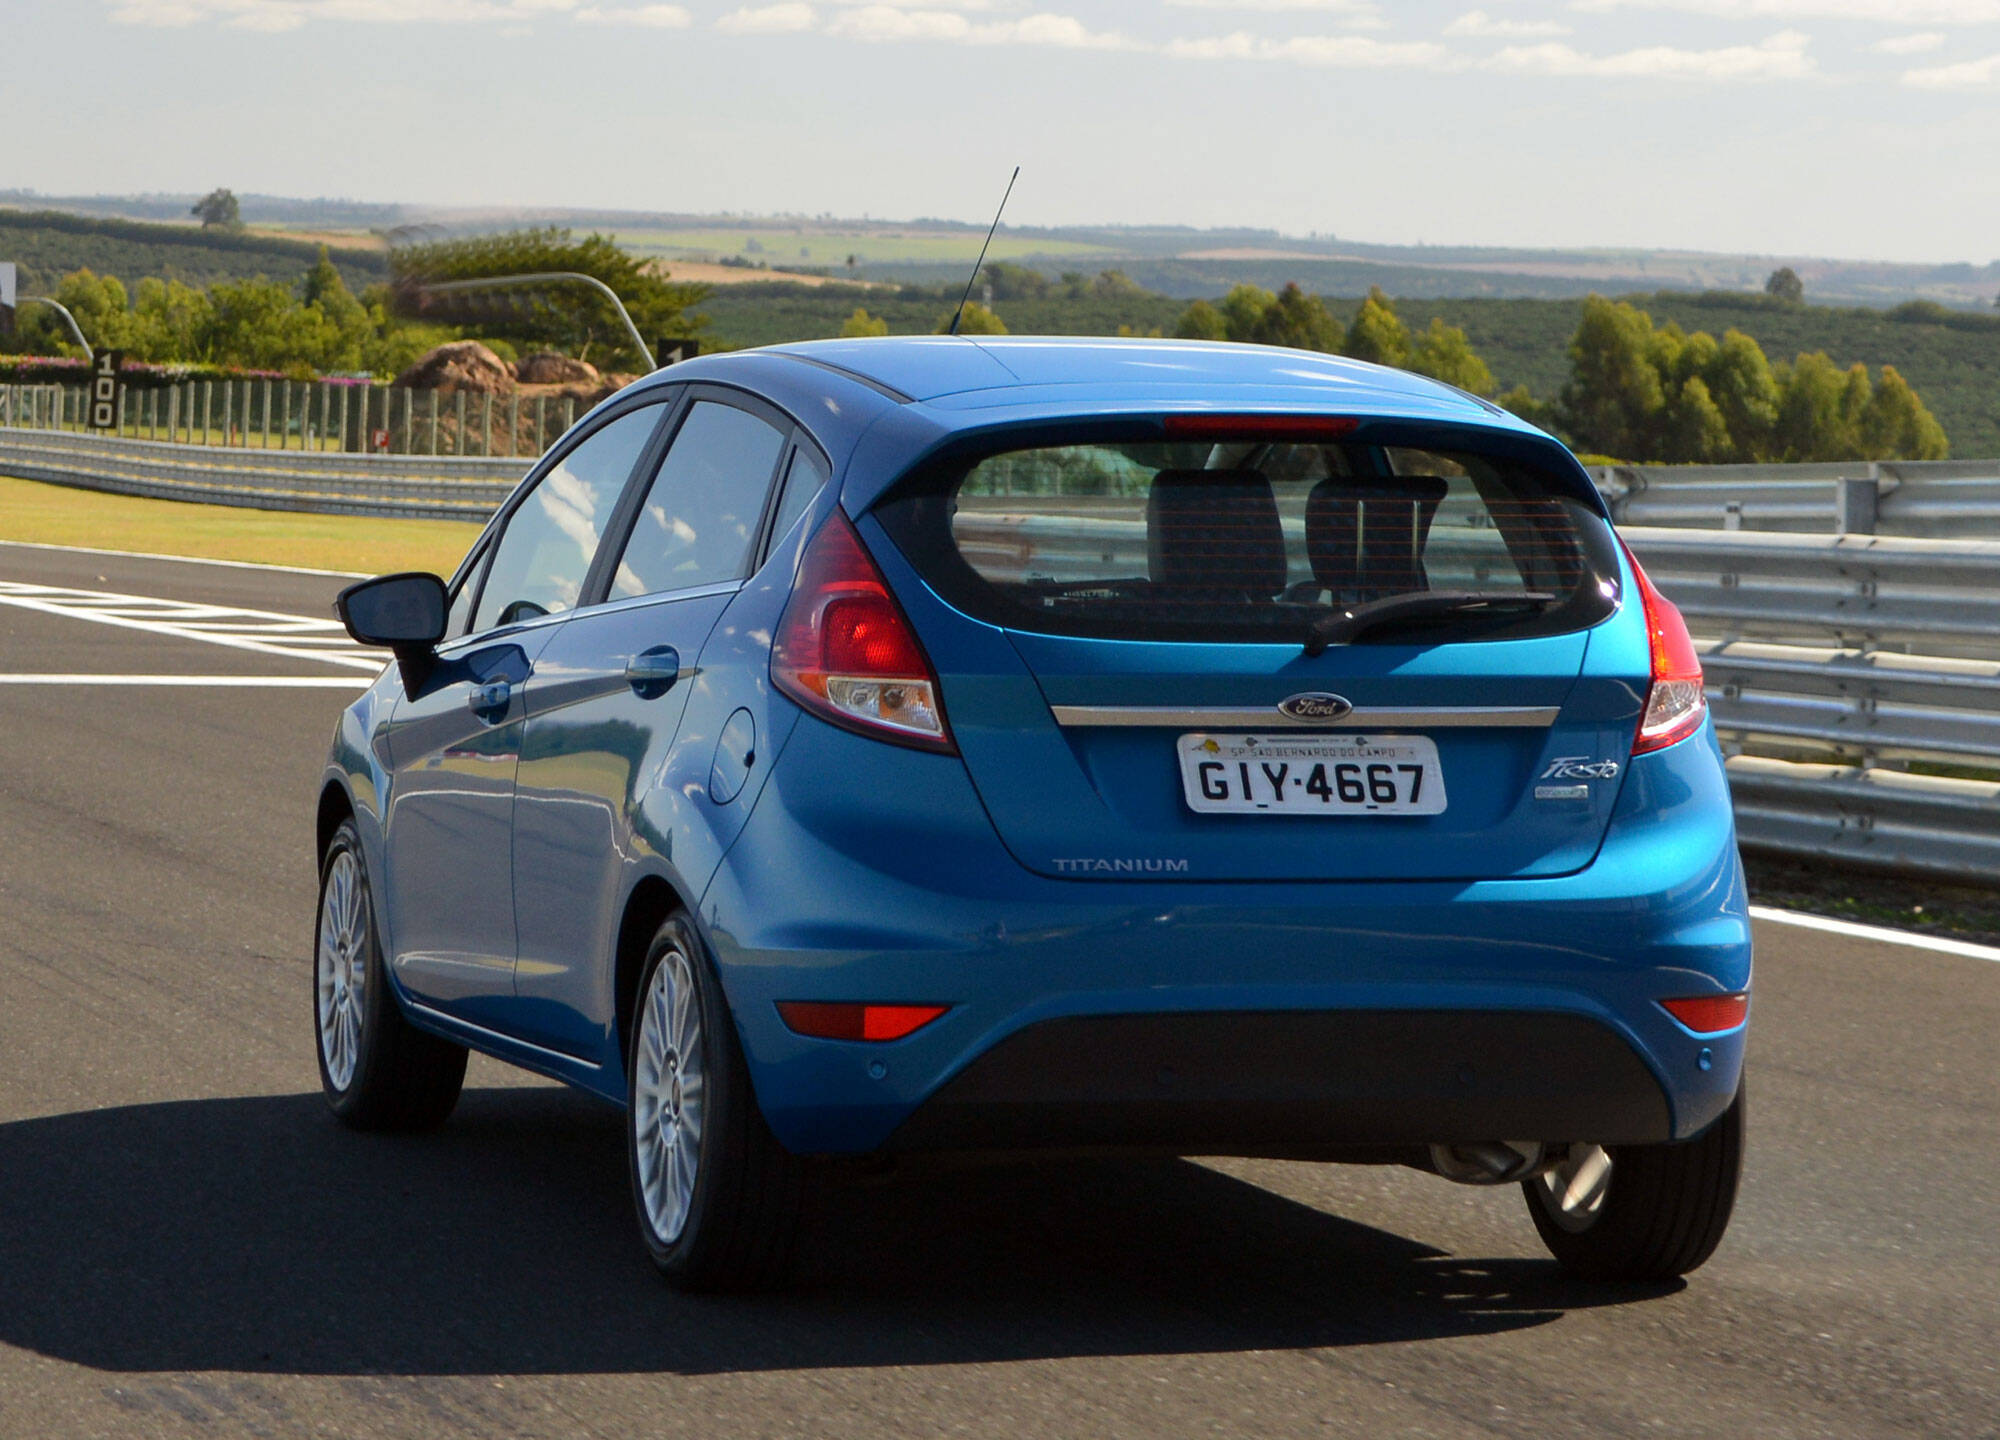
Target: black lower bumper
[1261,1082]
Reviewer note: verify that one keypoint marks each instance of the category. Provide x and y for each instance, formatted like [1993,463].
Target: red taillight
[1675,704]
[1264,427]
[845,650]
[1710,1014]
[826,1020]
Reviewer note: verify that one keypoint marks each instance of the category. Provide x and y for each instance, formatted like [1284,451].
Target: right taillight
[845,650]
[1675,704]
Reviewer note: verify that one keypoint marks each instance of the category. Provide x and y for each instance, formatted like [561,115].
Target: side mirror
[404,613]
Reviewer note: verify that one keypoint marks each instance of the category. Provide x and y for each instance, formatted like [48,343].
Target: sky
[1851,128]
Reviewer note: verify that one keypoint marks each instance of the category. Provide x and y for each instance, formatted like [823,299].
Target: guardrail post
[1859,503]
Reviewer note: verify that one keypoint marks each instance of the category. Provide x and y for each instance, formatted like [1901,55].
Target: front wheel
[719,1200]
[379,1071]
[1640,1212]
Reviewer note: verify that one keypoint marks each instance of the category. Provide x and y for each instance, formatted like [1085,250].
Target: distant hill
[48,244]
[1175,260]
[1951,357]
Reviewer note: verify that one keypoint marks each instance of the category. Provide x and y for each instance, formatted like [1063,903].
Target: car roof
[928,368]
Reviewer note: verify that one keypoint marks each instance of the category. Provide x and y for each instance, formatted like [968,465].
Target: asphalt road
[190,1246]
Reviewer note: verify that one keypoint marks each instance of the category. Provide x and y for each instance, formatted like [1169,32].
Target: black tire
[738,1229]
[1664,1207]
[396,1077]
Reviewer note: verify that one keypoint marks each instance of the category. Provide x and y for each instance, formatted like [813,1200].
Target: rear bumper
[1210,1018]
[1294,1081]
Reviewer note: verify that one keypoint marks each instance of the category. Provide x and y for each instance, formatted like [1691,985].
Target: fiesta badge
[1316,706]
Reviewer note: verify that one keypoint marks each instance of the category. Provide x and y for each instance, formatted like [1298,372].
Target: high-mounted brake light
[1710,1014]
[1263,427]
[1675,705]
[846,651]
[834,1020]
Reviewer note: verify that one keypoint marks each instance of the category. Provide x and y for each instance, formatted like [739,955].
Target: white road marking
[188,559]
[266,632]
[1880,934]
[274,682]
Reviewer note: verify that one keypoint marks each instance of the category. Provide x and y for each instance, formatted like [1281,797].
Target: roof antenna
[977,265]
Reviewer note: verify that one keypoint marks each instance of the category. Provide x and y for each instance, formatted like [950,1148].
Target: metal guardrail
[1834,661]
[411,486]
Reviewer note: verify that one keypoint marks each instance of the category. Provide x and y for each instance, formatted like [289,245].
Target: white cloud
[1361,9]
[887,24]
[656,17]
[1479,23]
[1779,57]
[1887,12]
[788,19]
[1911,44]
[1339,52]
[1968,75]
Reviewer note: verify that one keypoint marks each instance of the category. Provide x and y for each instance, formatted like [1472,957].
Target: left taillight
[846,651]
[1675,704]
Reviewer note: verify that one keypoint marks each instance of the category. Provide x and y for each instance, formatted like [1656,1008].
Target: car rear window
[1259,541]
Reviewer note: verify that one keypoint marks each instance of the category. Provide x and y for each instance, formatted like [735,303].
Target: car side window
[805,477]
[541,559]
[699,518]
[461,599]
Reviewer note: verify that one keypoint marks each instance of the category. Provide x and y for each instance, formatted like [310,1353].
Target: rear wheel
[1640,1212]
[378,1071]
[719,1199]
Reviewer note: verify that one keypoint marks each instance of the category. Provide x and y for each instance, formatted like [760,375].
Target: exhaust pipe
[1490,1162]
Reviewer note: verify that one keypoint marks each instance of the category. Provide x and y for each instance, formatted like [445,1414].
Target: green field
[829,246]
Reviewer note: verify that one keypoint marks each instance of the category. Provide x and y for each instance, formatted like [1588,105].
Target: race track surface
[190,1246]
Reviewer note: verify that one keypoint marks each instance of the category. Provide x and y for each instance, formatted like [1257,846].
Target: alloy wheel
[341,968]
[668,1095]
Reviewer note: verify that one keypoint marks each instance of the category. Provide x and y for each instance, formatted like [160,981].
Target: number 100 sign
[105,387]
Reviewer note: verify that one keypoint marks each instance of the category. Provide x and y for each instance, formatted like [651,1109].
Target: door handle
[652,673]
[493,695]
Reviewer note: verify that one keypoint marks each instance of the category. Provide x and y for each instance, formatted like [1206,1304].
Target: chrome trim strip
[1269,717]
[440,1018]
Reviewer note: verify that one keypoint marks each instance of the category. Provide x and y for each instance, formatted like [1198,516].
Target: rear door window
[699,519]
[1259,541]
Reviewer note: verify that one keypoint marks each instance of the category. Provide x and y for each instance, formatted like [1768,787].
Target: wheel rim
[341,968]
[668,1095]
[1572,1192]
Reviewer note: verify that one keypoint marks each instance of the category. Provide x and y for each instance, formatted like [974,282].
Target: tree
[1015,282]
[1300,321]
[1786,285]
[1809,412]
[1443,353]
[1740,381]
[566,317]
[1896,426]
[977,320]
[1378,335]
[1201,321]
[1243,310]
[1614,391]
[218,210]
[862,323]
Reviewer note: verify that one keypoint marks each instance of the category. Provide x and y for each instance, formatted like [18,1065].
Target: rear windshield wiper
[1350,623]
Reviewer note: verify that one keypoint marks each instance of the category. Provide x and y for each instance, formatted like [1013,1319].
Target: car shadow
[257,1235]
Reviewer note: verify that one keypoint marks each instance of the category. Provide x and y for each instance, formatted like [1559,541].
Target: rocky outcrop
[548,367]
[461,365]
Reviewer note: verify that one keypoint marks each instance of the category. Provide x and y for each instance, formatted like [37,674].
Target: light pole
[502,282]
[63,310]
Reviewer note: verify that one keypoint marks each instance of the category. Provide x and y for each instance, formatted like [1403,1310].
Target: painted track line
[188,559]
[192,620]
[269,682]
[1879,934]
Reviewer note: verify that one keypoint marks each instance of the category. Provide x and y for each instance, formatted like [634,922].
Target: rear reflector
[827,1020]
[1709,1014]
[1297,427]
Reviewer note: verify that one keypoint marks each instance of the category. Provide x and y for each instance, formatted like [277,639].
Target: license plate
[1311,775]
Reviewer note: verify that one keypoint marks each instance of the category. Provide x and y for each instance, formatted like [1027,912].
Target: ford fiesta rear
[1262,784]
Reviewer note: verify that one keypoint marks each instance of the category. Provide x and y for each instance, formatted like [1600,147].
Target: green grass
[58,515]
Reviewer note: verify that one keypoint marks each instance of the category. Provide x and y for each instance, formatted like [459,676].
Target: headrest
[1215,530]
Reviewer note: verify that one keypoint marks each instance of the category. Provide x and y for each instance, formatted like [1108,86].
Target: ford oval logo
[1316,705]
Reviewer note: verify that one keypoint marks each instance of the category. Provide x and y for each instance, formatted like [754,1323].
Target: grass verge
[59,515]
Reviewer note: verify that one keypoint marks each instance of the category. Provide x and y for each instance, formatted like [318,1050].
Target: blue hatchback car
[917,744]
